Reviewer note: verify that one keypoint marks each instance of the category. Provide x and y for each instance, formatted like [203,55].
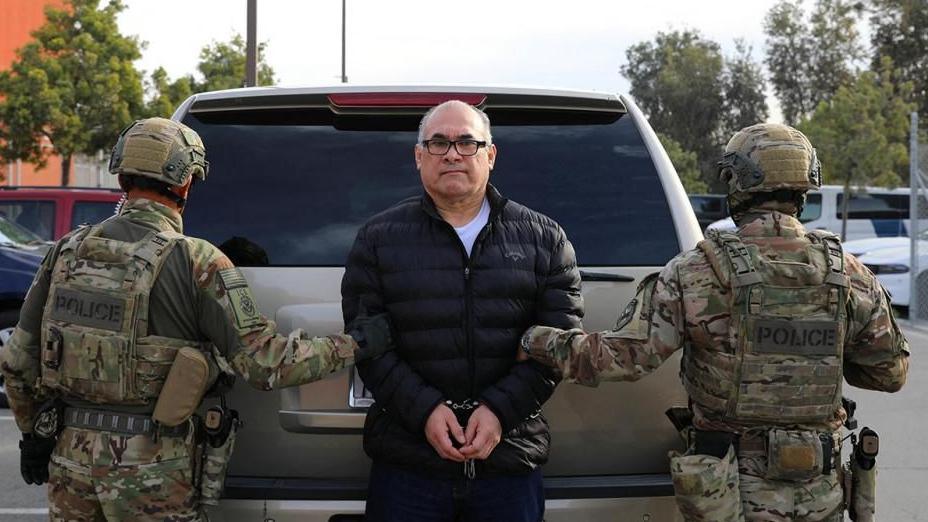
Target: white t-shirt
[469,232]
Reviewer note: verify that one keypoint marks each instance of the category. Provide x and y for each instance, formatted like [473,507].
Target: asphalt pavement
[901,419]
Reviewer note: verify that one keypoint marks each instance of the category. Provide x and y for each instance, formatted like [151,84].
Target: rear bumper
[592,487]
[576,499]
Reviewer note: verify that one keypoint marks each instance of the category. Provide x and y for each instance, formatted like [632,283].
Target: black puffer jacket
[458,322]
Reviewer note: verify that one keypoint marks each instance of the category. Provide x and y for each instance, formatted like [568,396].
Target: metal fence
[918,212]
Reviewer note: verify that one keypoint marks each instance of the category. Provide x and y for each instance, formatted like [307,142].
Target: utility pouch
[221,427]
[183,388]
[706,487]
[794,455]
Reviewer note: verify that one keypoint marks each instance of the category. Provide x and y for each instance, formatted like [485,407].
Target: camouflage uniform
[198,296]
[690,305]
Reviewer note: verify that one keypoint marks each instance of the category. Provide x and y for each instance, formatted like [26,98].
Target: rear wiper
[603,276]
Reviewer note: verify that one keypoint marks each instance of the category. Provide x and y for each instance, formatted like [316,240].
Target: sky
[578,44]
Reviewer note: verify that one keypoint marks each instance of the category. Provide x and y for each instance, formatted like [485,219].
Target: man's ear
[418,156]
[491,155]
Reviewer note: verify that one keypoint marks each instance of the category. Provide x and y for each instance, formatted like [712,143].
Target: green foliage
[74,83]
[685,163]
[861,133]
[809,60]
[167,94]
[900,31]
[222,66]
[691,94]
[745,102]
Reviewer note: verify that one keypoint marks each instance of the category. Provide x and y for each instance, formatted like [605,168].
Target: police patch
[795,337]
[88,308]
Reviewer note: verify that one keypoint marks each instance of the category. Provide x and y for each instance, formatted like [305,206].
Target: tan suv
[297,171]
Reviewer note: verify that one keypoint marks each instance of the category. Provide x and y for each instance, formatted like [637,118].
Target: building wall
[18,18]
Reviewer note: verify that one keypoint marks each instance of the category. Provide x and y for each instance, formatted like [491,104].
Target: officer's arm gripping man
[651,333]
[228,316]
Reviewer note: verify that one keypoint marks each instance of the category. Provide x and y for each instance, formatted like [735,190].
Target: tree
[167,94]
[745,103]
[860,134]
[222,66]
[677,81]
[685,163]
[900,31]
[694,96]
[809,61]
[74,84]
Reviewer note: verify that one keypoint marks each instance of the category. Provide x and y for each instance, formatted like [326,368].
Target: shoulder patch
[243,302]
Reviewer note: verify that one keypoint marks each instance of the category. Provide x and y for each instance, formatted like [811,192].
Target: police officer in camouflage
[771,319]
[127,325]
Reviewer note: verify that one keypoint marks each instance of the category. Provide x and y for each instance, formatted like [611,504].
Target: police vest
[95,340]
[787,331]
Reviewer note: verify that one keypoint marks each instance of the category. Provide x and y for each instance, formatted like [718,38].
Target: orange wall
[18,18]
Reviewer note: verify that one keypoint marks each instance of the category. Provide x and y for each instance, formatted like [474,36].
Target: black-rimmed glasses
[440,147]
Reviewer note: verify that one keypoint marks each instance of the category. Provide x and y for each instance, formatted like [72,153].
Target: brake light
[402,99]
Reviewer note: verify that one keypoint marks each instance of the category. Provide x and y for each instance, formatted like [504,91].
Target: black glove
[373,335]
[35,452]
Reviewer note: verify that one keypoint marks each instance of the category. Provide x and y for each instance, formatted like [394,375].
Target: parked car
[21,253]
[298,170]
[872,212]
[709,208]
[890,259]
[51,212]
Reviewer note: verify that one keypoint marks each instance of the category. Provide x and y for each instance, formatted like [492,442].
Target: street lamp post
[344,77]
[251,45]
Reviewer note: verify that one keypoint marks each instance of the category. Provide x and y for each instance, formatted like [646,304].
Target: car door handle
[322,421]
[603,276]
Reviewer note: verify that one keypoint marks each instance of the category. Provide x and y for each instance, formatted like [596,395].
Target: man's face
[452,177]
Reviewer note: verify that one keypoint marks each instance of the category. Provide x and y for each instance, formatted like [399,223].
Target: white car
[872,212]
[890,259]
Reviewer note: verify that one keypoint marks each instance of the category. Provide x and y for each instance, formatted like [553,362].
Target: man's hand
[440,424]
[483,434]
[373,335]
[35,452]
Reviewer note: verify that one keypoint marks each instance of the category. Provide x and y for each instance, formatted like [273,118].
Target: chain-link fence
[918,209]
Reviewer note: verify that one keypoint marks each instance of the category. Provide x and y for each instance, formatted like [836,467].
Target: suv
[51,212]
[297,171]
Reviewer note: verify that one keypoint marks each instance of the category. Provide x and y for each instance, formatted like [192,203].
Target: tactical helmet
[160,149]
[768,157]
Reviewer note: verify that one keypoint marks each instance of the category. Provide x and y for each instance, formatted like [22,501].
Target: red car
[51,212]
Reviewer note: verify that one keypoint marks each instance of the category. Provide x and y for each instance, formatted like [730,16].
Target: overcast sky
[575,44]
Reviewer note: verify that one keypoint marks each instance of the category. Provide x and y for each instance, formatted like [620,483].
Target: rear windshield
[298,192]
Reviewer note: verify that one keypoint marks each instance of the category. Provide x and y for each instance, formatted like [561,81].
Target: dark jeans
[404,496]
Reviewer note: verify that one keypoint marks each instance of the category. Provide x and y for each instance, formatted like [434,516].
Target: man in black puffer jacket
[456,432]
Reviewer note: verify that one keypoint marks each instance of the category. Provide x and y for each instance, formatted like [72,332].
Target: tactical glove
[35,453]
[373,335]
